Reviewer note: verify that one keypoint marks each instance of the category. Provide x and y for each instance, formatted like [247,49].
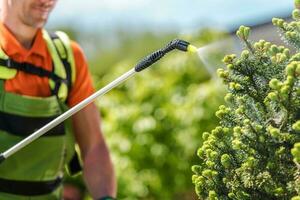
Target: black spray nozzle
[178,44]
[155,56]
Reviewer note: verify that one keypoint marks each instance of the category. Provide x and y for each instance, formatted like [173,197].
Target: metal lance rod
[143,64]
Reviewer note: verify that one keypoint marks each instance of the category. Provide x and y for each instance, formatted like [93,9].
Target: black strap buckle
[8,63]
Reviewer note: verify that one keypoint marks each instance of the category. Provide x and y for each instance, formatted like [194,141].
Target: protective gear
[35,172]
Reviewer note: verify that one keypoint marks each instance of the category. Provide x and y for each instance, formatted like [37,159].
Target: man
[27,96]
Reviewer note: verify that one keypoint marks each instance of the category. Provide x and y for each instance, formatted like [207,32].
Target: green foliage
[152,123]
[248,156]
[296,154]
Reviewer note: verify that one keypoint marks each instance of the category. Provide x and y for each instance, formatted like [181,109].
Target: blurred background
[154,122]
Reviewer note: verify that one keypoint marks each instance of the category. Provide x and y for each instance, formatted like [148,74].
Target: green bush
[248,156]
[296,153]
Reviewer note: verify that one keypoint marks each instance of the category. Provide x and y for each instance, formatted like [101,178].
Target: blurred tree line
[154,121]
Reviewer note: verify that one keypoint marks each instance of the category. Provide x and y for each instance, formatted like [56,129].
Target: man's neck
[23,33]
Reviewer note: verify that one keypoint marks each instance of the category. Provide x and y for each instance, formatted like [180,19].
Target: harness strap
[29,188]
[32,69]
[27,125]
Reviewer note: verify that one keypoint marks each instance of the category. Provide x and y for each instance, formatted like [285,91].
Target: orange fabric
[38,55]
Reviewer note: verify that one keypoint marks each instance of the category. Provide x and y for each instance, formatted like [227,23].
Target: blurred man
[41,74]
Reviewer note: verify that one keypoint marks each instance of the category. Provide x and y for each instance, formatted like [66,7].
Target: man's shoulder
[76,48]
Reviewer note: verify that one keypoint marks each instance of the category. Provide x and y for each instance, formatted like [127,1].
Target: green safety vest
[35,172]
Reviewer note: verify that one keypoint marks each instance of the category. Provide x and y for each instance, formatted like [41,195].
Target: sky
[166,14]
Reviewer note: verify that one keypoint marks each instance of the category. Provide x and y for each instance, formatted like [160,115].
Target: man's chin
[40,25]
[37,23]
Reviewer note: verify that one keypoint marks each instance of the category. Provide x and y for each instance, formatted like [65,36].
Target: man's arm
[97,166]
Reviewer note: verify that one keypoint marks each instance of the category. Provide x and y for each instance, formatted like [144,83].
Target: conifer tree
[249,155]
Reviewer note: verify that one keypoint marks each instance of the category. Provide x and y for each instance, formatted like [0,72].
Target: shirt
[38,55]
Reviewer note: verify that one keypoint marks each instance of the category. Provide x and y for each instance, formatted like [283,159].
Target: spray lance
[143,64]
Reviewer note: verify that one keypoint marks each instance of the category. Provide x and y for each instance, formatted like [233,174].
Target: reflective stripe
[62,50]
[6,73]
[60,47]
[67,43]
[59,68]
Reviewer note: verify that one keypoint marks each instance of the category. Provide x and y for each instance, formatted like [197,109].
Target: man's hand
[97,166]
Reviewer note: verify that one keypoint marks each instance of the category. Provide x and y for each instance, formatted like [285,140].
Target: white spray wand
[143,64]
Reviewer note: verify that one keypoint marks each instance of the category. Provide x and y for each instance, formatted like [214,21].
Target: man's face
[33,13]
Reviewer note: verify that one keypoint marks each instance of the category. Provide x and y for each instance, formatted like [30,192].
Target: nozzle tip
[192,49]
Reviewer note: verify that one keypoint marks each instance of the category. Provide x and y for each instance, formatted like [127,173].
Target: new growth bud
[290,69]
[228,59]
[243,32]
[296,14]
[296,126]
[245,54]
[296,152]
[225,160]
[278,22]
[275,84]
